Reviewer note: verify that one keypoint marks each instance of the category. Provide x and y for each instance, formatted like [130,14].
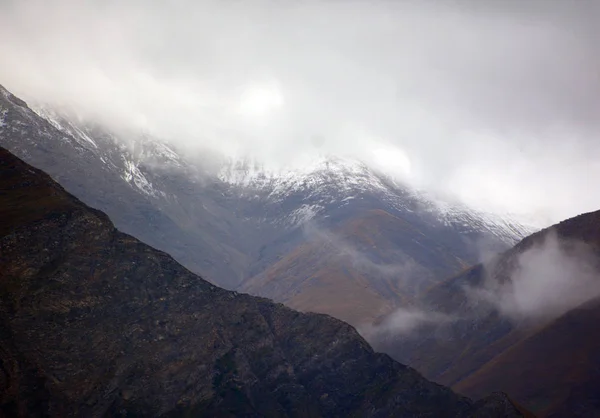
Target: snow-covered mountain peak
[329,180]
[343,173]
[313,186]
[136,148]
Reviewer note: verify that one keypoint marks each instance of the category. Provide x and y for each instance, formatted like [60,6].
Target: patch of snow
[65,126]
[304,214]
[132,174]
[3,113]
[343,174]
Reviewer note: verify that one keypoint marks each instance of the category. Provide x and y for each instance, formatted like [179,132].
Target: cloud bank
[548,280]
[493,102]
[544,282]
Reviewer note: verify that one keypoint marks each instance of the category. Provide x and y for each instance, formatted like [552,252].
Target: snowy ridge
[347,175]
[65,126]
[506,226]
[314,187]
[127,156]
[334,180]
[293,195]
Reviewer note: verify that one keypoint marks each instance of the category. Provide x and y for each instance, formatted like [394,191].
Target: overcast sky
[496,102]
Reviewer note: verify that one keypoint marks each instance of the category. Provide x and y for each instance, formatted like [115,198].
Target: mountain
[334,189]
[142,184]
[366,244]
[358,271]
[96,323]
[245,226]
[540,345]
[555,370]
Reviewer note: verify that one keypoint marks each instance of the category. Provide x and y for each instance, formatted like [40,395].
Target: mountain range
[524,322]
[471,300]
[96,323]
[236,222]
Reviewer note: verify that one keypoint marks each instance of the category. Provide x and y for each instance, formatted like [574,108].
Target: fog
[404,322]
[540,284]
[494,102]
[378,265]
[548,279]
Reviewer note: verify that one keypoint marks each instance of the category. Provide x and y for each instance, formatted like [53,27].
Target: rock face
[96,323]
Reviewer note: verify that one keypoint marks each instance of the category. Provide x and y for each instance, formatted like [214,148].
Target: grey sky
[495,102]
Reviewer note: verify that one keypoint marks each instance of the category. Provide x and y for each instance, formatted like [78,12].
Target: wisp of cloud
[547,280]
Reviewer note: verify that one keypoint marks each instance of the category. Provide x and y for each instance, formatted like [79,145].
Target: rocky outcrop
[95,323]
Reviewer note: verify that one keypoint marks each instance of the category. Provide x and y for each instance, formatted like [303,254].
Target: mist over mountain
[520,321]
[290,235]
[492,103]
[117,328]
[337,238]
[385,163]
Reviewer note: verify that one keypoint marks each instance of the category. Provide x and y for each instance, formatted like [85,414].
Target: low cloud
[547,280]
[390,265]
[403,322]
[494,102]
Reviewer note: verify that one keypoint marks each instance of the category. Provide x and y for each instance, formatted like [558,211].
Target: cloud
[542,283]
[384,264]
[494,102]
[404,322]
[547,280]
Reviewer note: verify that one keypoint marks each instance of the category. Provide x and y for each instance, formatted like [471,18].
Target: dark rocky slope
[95,323]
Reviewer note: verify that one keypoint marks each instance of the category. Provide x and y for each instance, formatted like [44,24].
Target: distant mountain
[332,190]
[144,185]
[335,236]
[237,221]
[358,271]
[96,323]
[548,357]
[554,370]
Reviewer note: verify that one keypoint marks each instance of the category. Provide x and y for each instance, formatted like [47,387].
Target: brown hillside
[555,371]
[358,271]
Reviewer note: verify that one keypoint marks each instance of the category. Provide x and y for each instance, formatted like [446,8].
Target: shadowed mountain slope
[555,371]
[127,180]
[95,323]
[540,346]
